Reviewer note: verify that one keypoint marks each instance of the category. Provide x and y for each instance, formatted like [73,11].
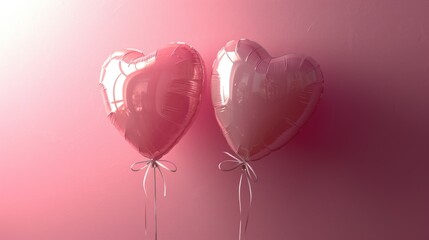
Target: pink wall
[357,170]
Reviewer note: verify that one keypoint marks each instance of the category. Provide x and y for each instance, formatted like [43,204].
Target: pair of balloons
[260,102]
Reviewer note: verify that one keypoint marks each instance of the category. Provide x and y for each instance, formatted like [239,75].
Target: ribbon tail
[163,181]
[250,175]
[239,193]
[239,231]
[145,219]
[250,191]
[243,229]
[156,165]
[154,200]
[240,205]
[250,204]
[144,180]
[145,193]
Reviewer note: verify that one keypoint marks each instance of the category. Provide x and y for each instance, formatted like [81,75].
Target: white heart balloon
[260,102]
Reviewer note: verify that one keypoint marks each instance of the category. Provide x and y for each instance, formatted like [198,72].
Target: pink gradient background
[357,170]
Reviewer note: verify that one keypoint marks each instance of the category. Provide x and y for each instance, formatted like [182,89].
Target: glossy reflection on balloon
[153,99]
[261,102]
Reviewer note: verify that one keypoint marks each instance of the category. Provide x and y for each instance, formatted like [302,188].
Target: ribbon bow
[249,173]
[156,165]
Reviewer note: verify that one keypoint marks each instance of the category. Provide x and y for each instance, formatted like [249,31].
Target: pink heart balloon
[261,102]
[153,99]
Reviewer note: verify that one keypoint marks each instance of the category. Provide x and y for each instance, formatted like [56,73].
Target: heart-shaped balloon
[261,102]
[153,99]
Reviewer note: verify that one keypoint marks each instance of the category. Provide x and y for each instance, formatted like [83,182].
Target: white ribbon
[249,173]
[156,165]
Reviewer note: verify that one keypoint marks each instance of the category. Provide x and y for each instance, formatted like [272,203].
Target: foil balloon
[153,99]
[261,102]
